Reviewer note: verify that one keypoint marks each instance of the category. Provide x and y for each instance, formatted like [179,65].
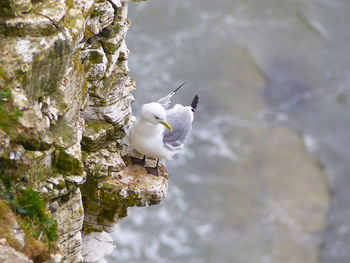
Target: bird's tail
[194,103]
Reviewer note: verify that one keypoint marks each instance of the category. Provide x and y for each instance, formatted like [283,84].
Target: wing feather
[165,101]
[181,123]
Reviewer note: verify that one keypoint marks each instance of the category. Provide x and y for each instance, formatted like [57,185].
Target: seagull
[160,132]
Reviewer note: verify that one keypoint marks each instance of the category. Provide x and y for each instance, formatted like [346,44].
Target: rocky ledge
[65,104]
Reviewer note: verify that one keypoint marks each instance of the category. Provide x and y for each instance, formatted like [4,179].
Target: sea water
[272,76]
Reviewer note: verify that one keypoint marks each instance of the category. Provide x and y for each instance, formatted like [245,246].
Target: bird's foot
[152,170]
[138,161]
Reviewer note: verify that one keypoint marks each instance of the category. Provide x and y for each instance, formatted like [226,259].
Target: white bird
[149,135]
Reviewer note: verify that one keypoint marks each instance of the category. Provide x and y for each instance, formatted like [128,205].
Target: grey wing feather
[182,126]
[165,101]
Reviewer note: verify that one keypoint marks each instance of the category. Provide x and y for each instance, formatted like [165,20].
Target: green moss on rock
[66,163]
[95,57]
[33,141]
[74,22]
[14,8]
[109,47]
[97,135]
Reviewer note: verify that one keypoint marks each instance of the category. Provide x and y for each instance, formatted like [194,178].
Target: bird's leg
[138,161]
[153,170]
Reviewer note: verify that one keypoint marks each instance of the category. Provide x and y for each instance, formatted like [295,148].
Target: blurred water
[258,66]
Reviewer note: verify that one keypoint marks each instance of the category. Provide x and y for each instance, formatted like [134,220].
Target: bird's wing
[165,101]
[180,119]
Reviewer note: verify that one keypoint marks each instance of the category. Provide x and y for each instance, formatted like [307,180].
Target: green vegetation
[32,206]
[28,208]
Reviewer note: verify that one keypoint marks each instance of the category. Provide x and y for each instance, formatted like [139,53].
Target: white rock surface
[9,255]
[96,246]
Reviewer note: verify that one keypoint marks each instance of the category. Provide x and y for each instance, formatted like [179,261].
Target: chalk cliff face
[64,107]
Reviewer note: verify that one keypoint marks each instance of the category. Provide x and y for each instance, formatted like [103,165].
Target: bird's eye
[156,117]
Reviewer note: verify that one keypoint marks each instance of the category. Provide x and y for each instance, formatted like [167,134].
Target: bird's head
[154,113]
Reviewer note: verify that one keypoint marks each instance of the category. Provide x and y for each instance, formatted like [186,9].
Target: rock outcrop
[64,107]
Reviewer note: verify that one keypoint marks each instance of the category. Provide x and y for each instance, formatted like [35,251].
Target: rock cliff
[64,108]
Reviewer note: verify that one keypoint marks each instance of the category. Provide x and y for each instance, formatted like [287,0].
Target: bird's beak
[166,124]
